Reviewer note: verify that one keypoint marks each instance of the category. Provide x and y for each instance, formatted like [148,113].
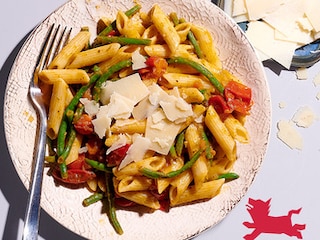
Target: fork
[52,44]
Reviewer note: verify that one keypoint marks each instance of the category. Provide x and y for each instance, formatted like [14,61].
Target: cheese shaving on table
[289,24]
[289,135]
[304,117]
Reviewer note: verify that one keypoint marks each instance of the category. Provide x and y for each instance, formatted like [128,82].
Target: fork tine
[61,42]
[42,55]
[49,53]
[52,46]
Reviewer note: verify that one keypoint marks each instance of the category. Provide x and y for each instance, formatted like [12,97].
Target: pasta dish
[145,114]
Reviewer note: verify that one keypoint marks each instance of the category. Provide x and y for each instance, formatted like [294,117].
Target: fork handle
[31,224]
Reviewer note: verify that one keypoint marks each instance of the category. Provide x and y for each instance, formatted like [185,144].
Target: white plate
[65,205]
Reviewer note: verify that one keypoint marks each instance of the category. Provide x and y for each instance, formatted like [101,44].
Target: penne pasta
[220,133]
[207,45]
[123,53]
[70,76]
[191,94]
[144,198]
[194,143]
[56,108]
[219,166]
[128,27]
[179,185]
[164,51]
[236,129]
[152,33]
[200,171]
[183,30]
[94,56]
[165,28]
[174,165]
[129,126]
[207,191]
[154,163]
[178,68]
[193,139]
[134,183]
[66,55]
[183,80]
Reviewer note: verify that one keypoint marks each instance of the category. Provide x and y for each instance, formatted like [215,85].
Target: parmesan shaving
[289,135]
[90,106]
[101,126]
[304,117]
[122,141]
[120,107]
[161,137]
[136,150]
[136,92]
[285,25]
[138,61]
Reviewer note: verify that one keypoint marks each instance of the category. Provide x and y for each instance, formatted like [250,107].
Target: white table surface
[288,177]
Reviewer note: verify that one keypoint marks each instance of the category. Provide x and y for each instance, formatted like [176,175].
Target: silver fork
[52,44]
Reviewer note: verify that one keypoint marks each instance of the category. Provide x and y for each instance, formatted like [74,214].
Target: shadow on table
[11,185]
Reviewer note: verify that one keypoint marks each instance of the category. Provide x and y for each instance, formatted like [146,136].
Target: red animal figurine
[263,223]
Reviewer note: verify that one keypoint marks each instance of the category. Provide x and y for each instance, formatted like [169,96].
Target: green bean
[209,154]
[155,174]
[180,143]
[104,77]
[92,199]
[201,69]
[78,113]
[62,136]
[112,26]
[69,115]
[193,42]
[103,40]
[63,170]
[110,203]
[174,18]
[133,10]
[173,152]
[65,153]
[228,176]
[98,165]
